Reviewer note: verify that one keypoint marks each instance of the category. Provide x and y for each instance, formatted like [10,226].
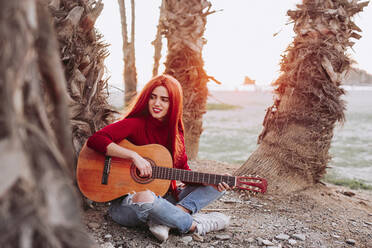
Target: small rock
[299,236]
[107,245]
[249,240]
[267,242]
[117,238]
[350,241]
[257,205]
[186,239]
[93,225]
[197,237]
[282,236]
[231,201]
[121,242]
[348,193]
[368,223]
[259,240]
[108,236]
[223,237]
[339,243]
[292,241]
[336,236]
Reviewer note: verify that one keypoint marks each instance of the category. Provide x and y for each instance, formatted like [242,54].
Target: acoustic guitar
[103,178]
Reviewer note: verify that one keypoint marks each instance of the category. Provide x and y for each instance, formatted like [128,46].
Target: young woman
[156,118]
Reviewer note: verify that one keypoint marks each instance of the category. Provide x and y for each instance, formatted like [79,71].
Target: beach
[231,135]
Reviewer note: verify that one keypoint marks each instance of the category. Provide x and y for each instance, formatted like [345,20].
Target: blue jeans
[163,210]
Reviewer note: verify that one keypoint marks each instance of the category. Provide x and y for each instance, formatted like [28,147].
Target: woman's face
[159,103]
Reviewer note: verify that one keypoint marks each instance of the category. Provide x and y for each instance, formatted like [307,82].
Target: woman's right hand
[142,165]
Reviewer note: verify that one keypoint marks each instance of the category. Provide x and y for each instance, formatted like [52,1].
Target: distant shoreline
[116,96]
[249,88]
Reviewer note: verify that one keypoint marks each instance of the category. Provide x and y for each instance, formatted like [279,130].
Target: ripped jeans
[163,210]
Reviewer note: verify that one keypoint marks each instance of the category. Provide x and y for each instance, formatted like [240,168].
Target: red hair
[174,116]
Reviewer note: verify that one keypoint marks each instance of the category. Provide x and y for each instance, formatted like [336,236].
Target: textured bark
[157,43]
[293,150]
[83,52]
[130,72]
[38,204]
[184,24]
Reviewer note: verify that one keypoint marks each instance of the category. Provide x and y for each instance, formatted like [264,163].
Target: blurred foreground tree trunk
[83,52]
[38,205]
[298,128]
[184,24]
[130,72]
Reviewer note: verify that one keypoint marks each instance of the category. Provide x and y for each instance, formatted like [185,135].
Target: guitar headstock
[252,183]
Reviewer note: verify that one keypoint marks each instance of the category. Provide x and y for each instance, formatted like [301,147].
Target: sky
[240,40]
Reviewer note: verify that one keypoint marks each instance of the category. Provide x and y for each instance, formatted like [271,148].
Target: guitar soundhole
[134,172]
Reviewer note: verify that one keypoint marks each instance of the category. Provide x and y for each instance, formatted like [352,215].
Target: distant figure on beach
[155,117]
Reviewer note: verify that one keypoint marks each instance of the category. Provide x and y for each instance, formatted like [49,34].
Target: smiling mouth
[156,110]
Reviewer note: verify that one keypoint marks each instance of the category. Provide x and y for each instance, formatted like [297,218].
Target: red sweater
[139,131]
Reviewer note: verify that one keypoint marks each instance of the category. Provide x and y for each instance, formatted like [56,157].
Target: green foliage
[221,106]
[350,183]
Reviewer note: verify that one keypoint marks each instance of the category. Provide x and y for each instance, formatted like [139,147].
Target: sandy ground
[322,216]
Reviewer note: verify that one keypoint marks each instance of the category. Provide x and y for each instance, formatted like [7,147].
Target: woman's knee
[143,196]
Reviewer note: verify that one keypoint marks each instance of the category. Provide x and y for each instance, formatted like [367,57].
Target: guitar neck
[191,176]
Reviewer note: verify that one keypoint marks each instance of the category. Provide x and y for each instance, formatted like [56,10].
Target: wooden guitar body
[122,176]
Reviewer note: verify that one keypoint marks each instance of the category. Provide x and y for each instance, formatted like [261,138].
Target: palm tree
[83,52]
[130,72]
[157,43]
[298,128]
[39,207]
[184,24]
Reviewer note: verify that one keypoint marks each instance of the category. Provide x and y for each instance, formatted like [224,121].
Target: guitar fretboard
[191,176]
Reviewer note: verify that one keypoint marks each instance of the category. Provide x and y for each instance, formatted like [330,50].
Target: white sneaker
[213,221]
[161,232]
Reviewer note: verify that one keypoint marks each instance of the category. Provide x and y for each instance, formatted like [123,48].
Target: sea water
[231,135]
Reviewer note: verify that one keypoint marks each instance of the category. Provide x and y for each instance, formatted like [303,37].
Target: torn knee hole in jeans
[141,198]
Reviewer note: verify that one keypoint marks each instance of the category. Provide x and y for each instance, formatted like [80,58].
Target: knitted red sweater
[139,131]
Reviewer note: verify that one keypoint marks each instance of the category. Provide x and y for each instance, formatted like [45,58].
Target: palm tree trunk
[157,43]
[184,27]
[293,150]
[83,53]
[38,205]
[130,72]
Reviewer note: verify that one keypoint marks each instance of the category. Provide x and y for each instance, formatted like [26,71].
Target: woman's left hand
[223,186]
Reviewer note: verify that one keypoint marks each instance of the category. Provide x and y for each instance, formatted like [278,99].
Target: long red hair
[139,107]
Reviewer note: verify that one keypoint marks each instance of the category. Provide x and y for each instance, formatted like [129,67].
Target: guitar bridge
[106,170]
